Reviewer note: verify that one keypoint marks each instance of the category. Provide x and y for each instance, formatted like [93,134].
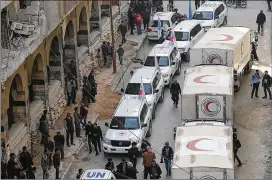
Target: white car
[153,86]
[187,33]
[167,22]
[131,122]
[212,14]
[169,61]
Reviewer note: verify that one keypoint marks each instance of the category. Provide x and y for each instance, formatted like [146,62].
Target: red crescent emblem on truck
[227,37]
[199,79]
[192,144]
[208,110]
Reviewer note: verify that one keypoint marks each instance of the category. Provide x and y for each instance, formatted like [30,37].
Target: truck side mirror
[122,90]
[106,124]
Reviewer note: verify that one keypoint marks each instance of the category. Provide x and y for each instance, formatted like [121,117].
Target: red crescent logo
[207,106]
[192,144]
[198,79]
[121,133]
[227,38]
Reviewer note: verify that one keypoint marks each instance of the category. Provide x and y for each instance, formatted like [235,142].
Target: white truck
[207,94]
[230,46]
[203,151]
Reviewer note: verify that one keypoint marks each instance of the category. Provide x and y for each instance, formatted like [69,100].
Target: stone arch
[69,52]
[37,81]
[82,34]
[17,106]
[54,68]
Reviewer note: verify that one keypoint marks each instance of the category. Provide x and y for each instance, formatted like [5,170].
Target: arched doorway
[69,52]
[54,68]
[17,106]
[82,34]
[37,83]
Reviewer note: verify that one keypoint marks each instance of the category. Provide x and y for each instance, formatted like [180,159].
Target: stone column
[61,62]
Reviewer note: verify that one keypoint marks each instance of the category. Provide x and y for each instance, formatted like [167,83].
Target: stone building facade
[40,41]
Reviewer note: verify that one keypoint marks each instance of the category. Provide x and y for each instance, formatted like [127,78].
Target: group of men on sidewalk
[266,82]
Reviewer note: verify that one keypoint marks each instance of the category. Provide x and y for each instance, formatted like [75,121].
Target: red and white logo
[192,144]
[214,59]
[199,79]
[210,107]
[122,133]
[226,37]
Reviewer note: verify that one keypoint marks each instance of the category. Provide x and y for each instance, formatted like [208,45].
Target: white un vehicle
[153,87]
[131,122]
[97,174]
[168,59]
[212,14]
[187,33]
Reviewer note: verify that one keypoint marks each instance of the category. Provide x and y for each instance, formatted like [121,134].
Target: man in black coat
[123,30]
[266,83]
[26,161]
[11,166]
[59,143]
[43,127]
[261,18]
[105,52]
[131,171]
[49,147]
[56,162]
[167,157]
[88,133]
[96,138]
[133,153]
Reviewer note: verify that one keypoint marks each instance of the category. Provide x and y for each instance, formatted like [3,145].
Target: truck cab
[203,151]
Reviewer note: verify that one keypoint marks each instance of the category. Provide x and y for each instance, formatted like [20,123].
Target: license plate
[121,150]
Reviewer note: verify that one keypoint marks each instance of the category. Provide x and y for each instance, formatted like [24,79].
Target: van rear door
[215,56]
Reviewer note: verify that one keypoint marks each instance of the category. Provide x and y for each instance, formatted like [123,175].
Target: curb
[77,153]
[113,87]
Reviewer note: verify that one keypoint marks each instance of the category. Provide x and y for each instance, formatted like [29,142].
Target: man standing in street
[84,113]
[138,22]
[88,130]
[69,127]
[269,5]
[77,120]
[49,147]
[261,18]
[120,52]
[123,30]
[167,157]
[56,162]
[105,52]
[131,17]
[255,82]
[11,166]
[96,138]
[45,165]
[146,18]
[26,161]
[133,154]
[59,143]
[236,146]
[266,83]
[149,156]
[69,92]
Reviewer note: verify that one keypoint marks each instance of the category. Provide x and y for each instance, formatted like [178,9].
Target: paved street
[252,116]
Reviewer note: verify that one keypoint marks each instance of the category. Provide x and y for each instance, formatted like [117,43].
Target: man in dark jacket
[88,130]
[80,172]
[269,5]
[266,83]
[131,171]
[133,153]
[77,120]
[175,91]
[146,18]
[59,143]
[167,157]
[56,162]
[69,127]
[123,31]
[261,18]
[119,173]
[32,173]
[155,171]
[43,127]
[105,52]
[96,138]
[49,147]
[131,16]
[11,166]
[26,161]
[236,146]
[84,113]
[110,165]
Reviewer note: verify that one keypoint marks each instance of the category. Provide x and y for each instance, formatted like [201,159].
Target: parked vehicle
[208,92]
[203,151]
[230,46]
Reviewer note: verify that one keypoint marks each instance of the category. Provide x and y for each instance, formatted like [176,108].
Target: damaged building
[44,43]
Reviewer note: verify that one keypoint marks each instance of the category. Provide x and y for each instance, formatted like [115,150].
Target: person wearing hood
[167,157]
[149,156]
[133,153]
[261,18]
[131,171]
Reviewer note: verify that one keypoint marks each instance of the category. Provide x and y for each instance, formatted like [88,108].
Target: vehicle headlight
[165,75]
[107,141]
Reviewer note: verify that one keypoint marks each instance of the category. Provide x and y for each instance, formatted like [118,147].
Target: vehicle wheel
[162,97]
[149,132]
[154,112]
[179,69]
[225,21]
[229,3]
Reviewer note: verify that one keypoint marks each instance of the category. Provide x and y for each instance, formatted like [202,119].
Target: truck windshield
[162,60]
[134,88]
[203,15]
[180,36]
[125,123]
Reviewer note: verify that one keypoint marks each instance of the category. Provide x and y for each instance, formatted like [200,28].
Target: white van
[97,174]
[212,14]
[187,33]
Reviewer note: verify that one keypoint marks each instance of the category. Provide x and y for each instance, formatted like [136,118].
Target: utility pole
[112,40]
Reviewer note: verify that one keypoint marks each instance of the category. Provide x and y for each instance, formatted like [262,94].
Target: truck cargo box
[208,94]
[203,152]
[230,46]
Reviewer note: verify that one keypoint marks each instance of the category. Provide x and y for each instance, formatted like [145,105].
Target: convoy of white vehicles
[218,59]
[230,46]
